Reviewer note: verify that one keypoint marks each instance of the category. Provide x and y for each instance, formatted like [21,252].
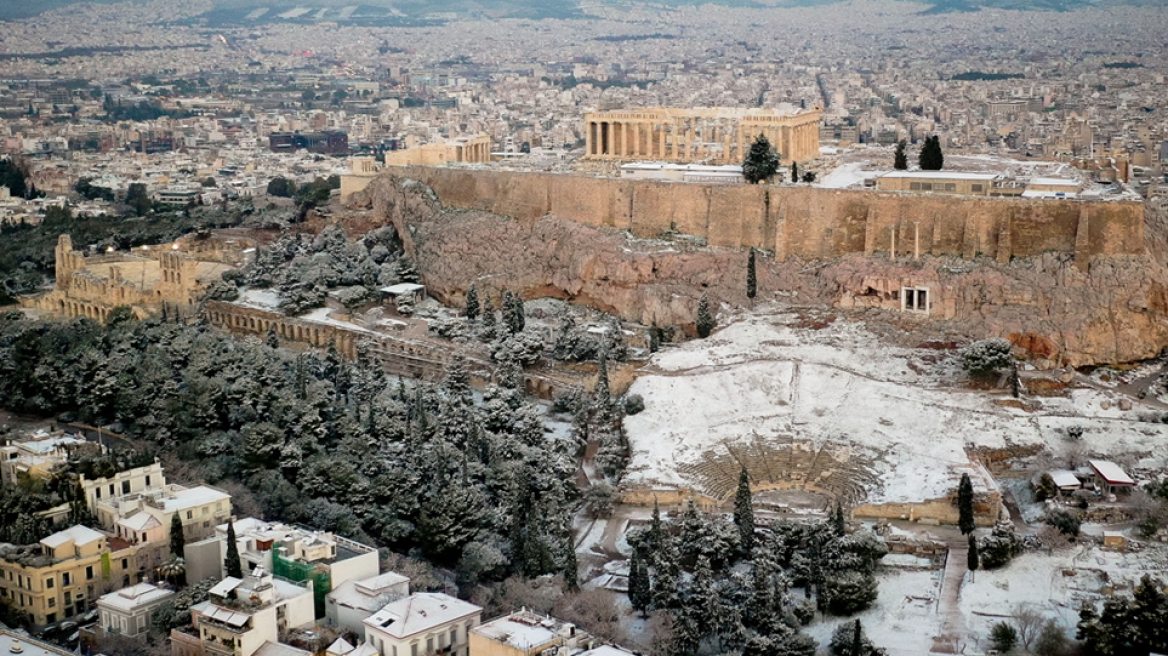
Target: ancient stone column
[661,141]
[625,140]
[916,240]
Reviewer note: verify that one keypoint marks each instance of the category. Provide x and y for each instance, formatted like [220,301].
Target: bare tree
[1029,621]
[596,611]
[1052,538]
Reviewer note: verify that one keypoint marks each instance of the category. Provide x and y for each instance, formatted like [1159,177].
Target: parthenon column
[741,144]
[676,140]
[625,140]
[661,141]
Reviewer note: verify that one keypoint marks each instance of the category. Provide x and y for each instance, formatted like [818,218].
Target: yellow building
[146,279]
[64,574]
[469,150]
[940,182]
[717,135]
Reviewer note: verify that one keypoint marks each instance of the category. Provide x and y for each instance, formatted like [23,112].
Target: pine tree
[973,560]
[232,564]
[858,639]
[965,519]
[751,277]
[407,271]
[705,322]
[513,318]
[472,303]
[656,533]
[794,173]
[273,338]
[761,162]
[744,513]
[601,394]
[640,590]
[900,158]
[177,539]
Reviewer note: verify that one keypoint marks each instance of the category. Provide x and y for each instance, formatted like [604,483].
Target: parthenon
[716,135]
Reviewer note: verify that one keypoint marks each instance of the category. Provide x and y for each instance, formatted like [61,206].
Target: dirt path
[953,626]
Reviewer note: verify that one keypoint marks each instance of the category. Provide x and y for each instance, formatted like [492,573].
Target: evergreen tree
[839,521]
[900,158]
[794,173]
[272,339]
[472,303]
[705,322]
[232,564]
[601,393]
[177,539]
[744,513]
[407,271]
[751,277]
[1003,636]
[488,332]
[640,589]
[761,162]
[931,157]
[973,560]
[513,318]
[965,505]
[666,572]
[858,639]
[571,568]
[656,533]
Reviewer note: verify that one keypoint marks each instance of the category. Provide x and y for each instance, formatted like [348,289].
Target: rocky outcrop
[1115,311]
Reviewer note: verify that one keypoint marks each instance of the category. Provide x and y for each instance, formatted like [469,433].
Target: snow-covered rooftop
[1111,472]
[419,612]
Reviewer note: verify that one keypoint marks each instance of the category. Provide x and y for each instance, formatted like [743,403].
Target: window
[414,649]
[976,187]
[453,636]
[111,489]
[429,644]
[89,573]
[68,596]
[950,186]
[98,490]
[49,582]
[52,602]
[65,578]
[50,618]
[914,299]
[125,563]
[190,514]
[926,186]
[147,480]
[125,487]
[206,511]
[914,186]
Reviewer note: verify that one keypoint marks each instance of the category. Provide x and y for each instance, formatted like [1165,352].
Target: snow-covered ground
[765,381]
[904,618]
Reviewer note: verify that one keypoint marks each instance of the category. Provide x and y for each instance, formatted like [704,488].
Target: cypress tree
[838,521]
[973,561]
[488,332]
[705,322]
[965,505]
[857,639]
[472,303]
[761,162]
[640,590]
[744,513]
[177,539]
[900,158]
[272,339]
[513,317]
[656,531]
[232,563]
[794,173]
[931,157]
[571,569]
[751,276]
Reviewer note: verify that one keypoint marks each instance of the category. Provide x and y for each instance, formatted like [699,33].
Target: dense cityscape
[517,329]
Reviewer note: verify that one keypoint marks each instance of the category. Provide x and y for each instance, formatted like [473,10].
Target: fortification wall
[807,222]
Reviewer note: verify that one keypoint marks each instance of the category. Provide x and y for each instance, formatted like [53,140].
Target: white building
[723,173]
[423,624]
[200,508]
[280,548]
[348,604]
[243,615]
[129,611]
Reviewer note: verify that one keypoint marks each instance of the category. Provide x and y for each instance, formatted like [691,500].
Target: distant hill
[414,12]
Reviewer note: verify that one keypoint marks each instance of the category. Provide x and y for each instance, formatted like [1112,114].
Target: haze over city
[517,328]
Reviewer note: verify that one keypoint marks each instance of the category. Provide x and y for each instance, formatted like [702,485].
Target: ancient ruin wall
[807,222]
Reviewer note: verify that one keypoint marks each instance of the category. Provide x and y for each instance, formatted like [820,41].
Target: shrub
[1003,636]
[986,356]
[1067,523]
[849,592]
[634,404]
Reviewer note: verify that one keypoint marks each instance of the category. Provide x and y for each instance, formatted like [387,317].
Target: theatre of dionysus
[716,135]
